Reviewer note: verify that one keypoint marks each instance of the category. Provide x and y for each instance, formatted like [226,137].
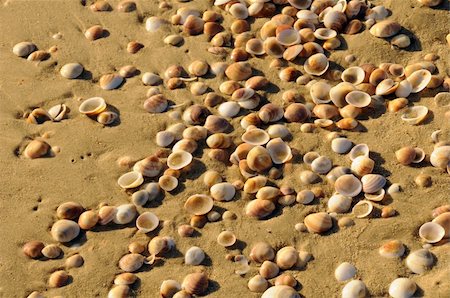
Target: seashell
[404,89]
[362,165]
[211,178]
[239,11]
[259,208]
[305,197]
[262,251]
[348,185]
[256,83]
[185,231]
[430,3]
[278,131]
[38,56]
[33,249]
[24,48]
[226,239]
[386,87]
[317,64]
[148,167]
[92,106]
[199,88]
[252,185]
[223,191]
[198,204]
[52,251]
[309,177]
[65,230]
[198,68]
[414,115]
[257,284]
[397,70]
[397,104]
[440,210]
[74,261]
[131,262]
[269,269]
[106,214]
[354,289]
[88,220]
[300,4]
[216,124]
[345,271]
[431,232]
[151,79]
[133,47]
[160,245]
[335,20]
[280,291]
[259,159]
[337,172]
[444,220]
[125,278]
[339,92]
[71,70]
[211,29]
[124,214]
[194,256]
[164,138]
[354,75]
[128,71]
[286,279]
[372,183]
[279,151]
[182,294]
[270,113]
[58,279]
[268,193]
[136,247]
[179,159]
[193,25]
[107,117]
[346,123]
[310,49]
[292,52]
[167,182]
[321,165]
[69,210]
[130,180]
[110,81]
[419,80]
[126,6]
[402,288]
[273,47]
[353,27]
[325,33]
[240,26]
[288,37]
[440,157]
[318,222]
[286,257]
[94,32]
[238,71]
[341,145]
[420,261]
[297,112]
[359,150]
[195,283]
[319,92]
[401,41]
[288,74]
[392,249]
[332,44]
[339,203]
[119,291]
[362,209]
[169,288]
[147,222]
[229,109]
[386,28]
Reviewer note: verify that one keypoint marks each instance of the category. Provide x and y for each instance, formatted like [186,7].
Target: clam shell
[419,80]
[385,28]
[36,149]
[195,283]
[341,145]
[160,245]
[179,159]
[321,165]
[273,47]
[325,33]
[420,261]
[262,251]
[288,37]
[119,291]
[292,52]
[354,75]
[71,70]
[362,165]
[148,167]
[337,172]
[335,20]
[24,48]
[348,185]
[358,99]
[74,261]
[252,185]
[229,109]
[92,106]
[362,209]
[33,249]
[440,157]
[223,191]
[152,24]
[110,81]
[151,79]
[125,214]
[404,89]
[320,92]
[286,257]
[94,32]
[279,151]
[269,269]
[280,291]
[354,289]
[198,68]
[255,137]
[169,288]
[69,210]
[317,64]
[278,131]
[238,71]
[106,214]
[226,238]
[259,208]
[338,93]
[216,124]
[38,56]
[156,104]
[58,279]
[345,271]
[339,203]
[414,115]
[51,251]
[318,222]
[300,4]
[88,219]
[65,230]
[147,222]
[130,180]
[444,220]
[257,284]
[194,256]
[259,159]
[359,150]
[131,262]
[305,197]
[431,232]
[297,112]
[164,138]
[392,249]
[372,183]
[402,288]
[268,193]
[386,87]
[198,204]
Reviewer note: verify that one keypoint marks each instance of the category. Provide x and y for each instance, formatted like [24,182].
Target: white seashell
[255,137]
[92,106]
[288,37]
[385,29]
[353,75]
[404,89]
[167,182]
[226,238]
[339,203]
[199,204]
[317,64]
[372,183]
[431,232]
[125,214]
[71,70]
[218,68]
[354,289]
[280,291]
[164,138]
[110,81]
[151,79]
[279,151]
[358,99]
[442,99]
[257,284]
[229,109]
[309,157]
[414,115]
[278,131]
[376,196]
[341,145]
[152,24]
[339,92]
[305,197]
[362,209]
[147,222]
[130,180]
[419,80]
[325,33]
[362,165]
[199,88]
[24,48]
[392,249]
[179,159]
[345,271]
[320,92]
[348,185]
[58,112]
[184,12]
[148,167]
[223,191]
[440,157]
[321,165]
[402,288]
[300,4]
[194,256]
[140,197]
[239,11]
[359,150]
[242,265]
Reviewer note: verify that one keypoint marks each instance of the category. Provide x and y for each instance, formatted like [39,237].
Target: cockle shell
[305,197]
[338,93]
[286,257]
[257,284]
[354,289]
[385,28]
[179,159]
[354,75]
[119,291]
[152,24]
[259,208]
[339,203]
[39,56]
[24,48]
[270,113]
[415,115]
[106,214]
[193,25]
[420,261]
[156,103]
[226,238]
[372,183]
[168,182]
[300,4]
[297,112]
[255,137]
[238,71]
[325,33]
[402,288]
[280,291]
[148,167]
[94,32]
[262,251]
[318,222]
[131,262]
[279,151]
[259,159]
[223,191]
[65,230]
[278,131]
[33,249]
[286,279]
[160,245]
[269,269]
[362,165]
[359,150]
[71,70]
[345,271]
[125,214]
[358,99]
[320,92]
[362,209]
[195,283]
[151,79]
[288,37]
[268,193]
[130,180]
[335,20]
[92,106]
[392,249]
[348,185]
[317,64]
[431,232]
[386,87]
[229,109]
[430,3]
[198,204]
[147,222]
[252,185]
[341,145]
[194,256]
[69,210]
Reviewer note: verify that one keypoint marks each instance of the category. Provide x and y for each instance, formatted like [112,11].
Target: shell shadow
[239,245]
[115,110]
[198,168]
[213,286]
[85,75]
[415,45]
[157,201]
[379,161]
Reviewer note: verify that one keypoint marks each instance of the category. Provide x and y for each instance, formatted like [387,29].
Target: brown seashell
[156,104]
[193,25]
[310,49]
[286,279]
[257,83]
[440,210]
[211,16]
[185,231]
[58,279]
[318,222]
[211,28]
[126,6]
[259,159]
[325,111]
[320,5]
[125,278]
[212,99]
[353,27]
[110,81]
[136,247]
[195,283]
[259,208]
[33,249]
[405,155]
[106,214]
[74,261]
[335,20]
[354,7]
[332,44]
[238,54]
[270,113]
[286,257]
[238,71]
[216,124]
[38,56]
[388,211]
[198,221]
[347,123]
[131,262]
[36,149]
[377,76]
[239,26]
[289,74]
[52,251]
[133,47]
[397,104]
[262,251]
[100,5]
[386,28]
[94,32]
[69,210]
[269,269]
[297,112]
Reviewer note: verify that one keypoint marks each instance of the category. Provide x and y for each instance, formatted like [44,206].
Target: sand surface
[85,170]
